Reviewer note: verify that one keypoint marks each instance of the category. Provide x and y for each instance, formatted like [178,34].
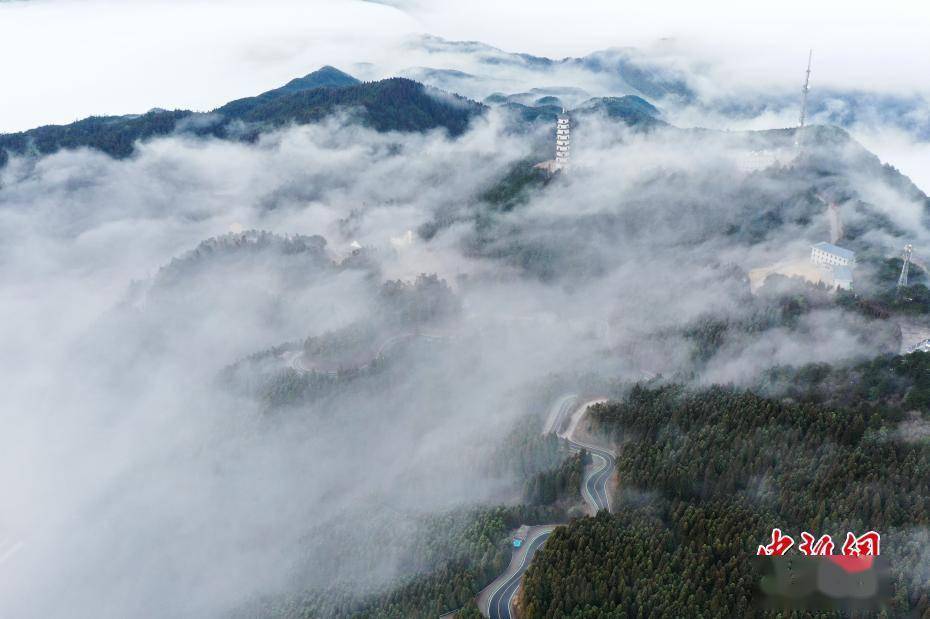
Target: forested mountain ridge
[628,70]
[751,208]
[310,249]
[624,67]
[394,104]
[114,135]
[326,77]
[632,110]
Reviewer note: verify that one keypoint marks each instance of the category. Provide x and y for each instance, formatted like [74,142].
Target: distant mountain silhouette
[395,104]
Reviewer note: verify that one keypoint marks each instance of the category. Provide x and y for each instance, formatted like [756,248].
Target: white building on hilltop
[836,261]
[828,254]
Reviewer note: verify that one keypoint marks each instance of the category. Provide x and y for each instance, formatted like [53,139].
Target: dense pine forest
[889,385]
[706,474]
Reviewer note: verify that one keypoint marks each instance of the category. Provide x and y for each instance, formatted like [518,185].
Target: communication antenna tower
[902,280]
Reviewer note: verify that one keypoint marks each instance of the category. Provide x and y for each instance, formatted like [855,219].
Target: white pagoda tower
[563,140]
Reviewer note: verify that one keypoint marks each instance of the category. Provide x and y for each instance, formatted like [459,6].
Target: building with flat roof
[829,265]
[828,254]
[836,263]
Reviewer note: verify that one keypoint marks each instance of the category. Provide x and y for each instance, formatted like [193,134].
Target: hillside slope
[395,104]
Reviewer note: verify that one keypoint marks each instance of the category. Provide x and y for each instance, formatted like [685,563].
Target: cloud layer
[138,483]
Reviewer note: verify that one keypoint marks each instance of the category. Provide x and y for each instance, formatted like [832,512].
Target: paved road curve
[502,597]
[561,421]
[594,489]
[559,414]
[594,485]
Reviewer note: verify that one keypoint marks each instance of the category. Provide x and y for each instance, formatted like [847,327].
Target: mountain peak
[322,77]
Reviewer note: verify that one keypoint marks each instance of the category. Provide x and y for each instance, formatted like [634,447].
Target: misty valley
[500,335]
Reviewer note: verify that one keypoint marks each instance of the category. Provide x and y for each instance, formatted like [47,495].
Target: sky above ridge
[74,58]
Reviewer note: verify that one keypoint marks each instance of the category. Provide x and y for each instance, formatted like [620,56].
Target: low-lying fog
[138,482]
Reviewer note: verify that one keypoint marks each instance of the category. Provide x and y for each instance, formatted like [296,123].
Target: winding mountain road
[505,589]
[497,598]
[594,486]
[594,489]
